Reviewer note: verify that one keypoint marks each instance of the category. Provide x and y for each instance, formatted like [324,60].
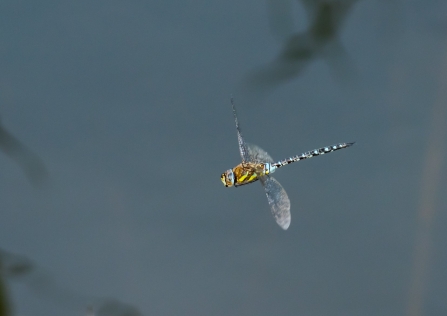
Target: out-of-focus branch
[29,162]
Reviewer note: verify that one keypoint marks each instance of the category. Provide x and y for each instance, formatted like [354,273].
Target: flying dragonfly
[258,165]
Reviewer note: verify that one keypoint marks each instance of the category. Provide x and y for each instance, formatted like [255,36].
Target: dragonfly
[257,164]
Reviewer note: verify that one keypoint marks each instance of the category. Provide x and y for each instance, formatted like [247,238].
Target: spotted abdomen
[312,153]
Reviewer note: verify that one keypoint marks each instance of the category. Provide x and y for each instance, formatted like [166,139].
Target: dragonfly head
[227,178]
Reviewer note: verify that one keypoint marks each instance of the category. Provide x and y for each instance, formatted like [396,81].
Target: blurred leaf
[14,265]
[5,307]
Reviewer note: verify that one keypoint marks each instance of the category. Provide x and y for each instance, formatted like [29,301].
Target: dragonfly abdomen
[312,153]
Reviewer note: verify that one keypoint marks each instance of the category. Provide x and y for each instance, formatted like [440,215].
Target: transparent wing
[257,154]
[242,145]
[278,200]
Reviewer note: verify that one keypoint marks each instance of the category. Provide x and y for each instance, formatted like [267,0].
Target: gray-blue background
[127,103]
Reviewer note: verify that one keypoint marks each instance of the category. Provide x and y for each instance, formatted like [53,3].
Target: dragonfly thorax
[245,173]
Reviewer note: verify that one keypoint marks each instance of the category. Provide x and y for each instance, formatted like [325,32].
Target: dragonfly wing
[257,154]
[278,200]
[242,145]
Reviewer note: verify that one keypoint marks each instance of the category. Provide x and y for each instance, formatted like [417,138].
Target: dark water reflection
[321,39]
[16,268]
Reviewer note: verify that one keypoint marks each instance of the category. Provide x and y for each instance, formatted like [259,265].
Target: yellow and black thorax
[248,172]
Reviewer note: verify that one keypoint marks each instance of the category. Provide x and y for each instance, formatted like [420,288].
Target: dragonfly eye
[227,178]
[223,178]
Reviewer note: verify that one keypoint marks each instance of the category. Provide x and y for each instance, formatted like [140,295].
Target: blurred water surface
[125,105]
